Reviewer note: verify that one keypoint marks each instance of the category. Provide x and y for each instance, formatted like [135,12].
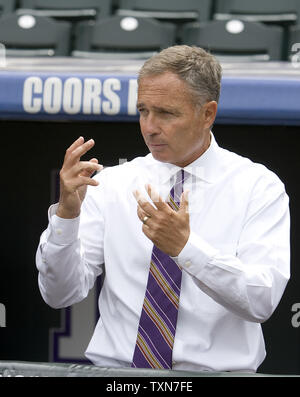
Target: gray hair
[199,69]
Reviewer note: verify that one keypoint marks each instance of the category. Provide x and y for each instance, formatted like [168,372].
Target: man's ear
[210,112]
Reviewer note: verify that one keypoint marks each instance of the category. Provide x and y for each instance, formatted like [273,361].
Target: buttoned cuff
[62,231]
[195,254]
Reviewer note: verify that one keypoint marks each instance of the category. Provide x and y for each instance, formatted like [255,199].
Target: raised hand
[75,176]
[169,230]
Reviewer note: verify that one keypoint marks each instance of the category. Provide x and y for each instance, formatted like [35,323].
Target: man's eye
[166,113]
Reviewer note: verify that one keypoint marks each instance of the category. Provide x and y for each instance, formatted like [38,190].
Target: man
[229,237]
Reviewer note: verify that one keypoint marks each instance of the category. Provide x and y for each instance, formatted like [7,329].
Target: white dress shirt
[235,263]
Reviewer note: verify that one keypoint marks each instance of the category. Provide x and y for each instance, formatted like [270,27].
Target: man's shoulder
[248,169]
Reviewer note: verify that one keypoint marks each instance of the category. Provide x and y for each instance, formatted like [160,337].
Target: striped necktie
[157,326]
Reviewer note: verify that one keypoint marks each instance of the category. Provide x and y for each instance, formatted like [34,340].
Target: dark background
[30,150]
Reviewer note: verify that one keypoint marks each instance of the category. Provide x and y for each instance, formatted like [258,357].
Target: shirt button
[188,263]
[58,231]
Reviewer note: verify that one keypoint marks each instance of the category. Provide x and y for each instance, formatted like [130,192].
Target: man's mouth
[156,145]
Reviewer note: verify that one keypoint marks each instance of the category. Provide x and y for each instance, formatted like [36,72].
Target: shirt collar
[204,167]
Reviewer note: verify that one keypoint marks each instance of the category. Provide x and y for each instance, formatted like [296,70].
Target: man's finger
[142,216]
[143,203]
[88,168]
[82,181]
[88,181]
[156,199]
[79,141]
[78,151]
[184,201]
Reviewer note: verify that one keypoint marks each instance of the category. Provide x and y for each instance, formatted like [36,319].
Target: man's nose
[149,125]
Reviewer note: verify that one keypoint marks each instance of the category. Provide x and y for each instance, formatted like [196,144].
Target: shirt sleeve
[251,282]
[70,255]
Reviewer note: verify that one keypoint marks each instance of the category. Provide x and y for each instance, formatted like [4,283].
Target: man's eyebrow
[159,108]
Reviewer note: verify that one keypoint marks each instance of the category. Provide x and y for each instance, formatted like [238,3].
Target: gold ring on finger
[145,219]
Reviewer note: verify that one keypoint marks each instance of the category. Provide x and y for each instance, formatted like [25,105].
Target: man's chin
[160,157]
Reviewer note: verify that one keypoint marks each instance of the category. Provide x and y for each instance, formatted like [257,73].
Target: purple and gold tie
[157,326]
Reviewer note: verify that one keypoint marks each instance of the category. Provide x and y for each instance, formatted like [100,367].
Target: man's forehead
[166,85]
[160,78]
[146,93]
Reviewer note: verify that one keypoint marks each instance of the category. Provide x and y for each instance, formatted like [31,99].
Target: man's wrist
[61,212]
[180,248]
[196,253]
[63,231]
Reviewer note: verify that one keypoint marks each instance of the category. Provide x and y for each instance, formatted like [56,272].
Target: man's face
[173,127]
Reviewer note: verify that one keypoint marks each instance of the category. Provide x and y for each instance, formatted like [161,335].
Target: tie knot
[177,189]
[181,176]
